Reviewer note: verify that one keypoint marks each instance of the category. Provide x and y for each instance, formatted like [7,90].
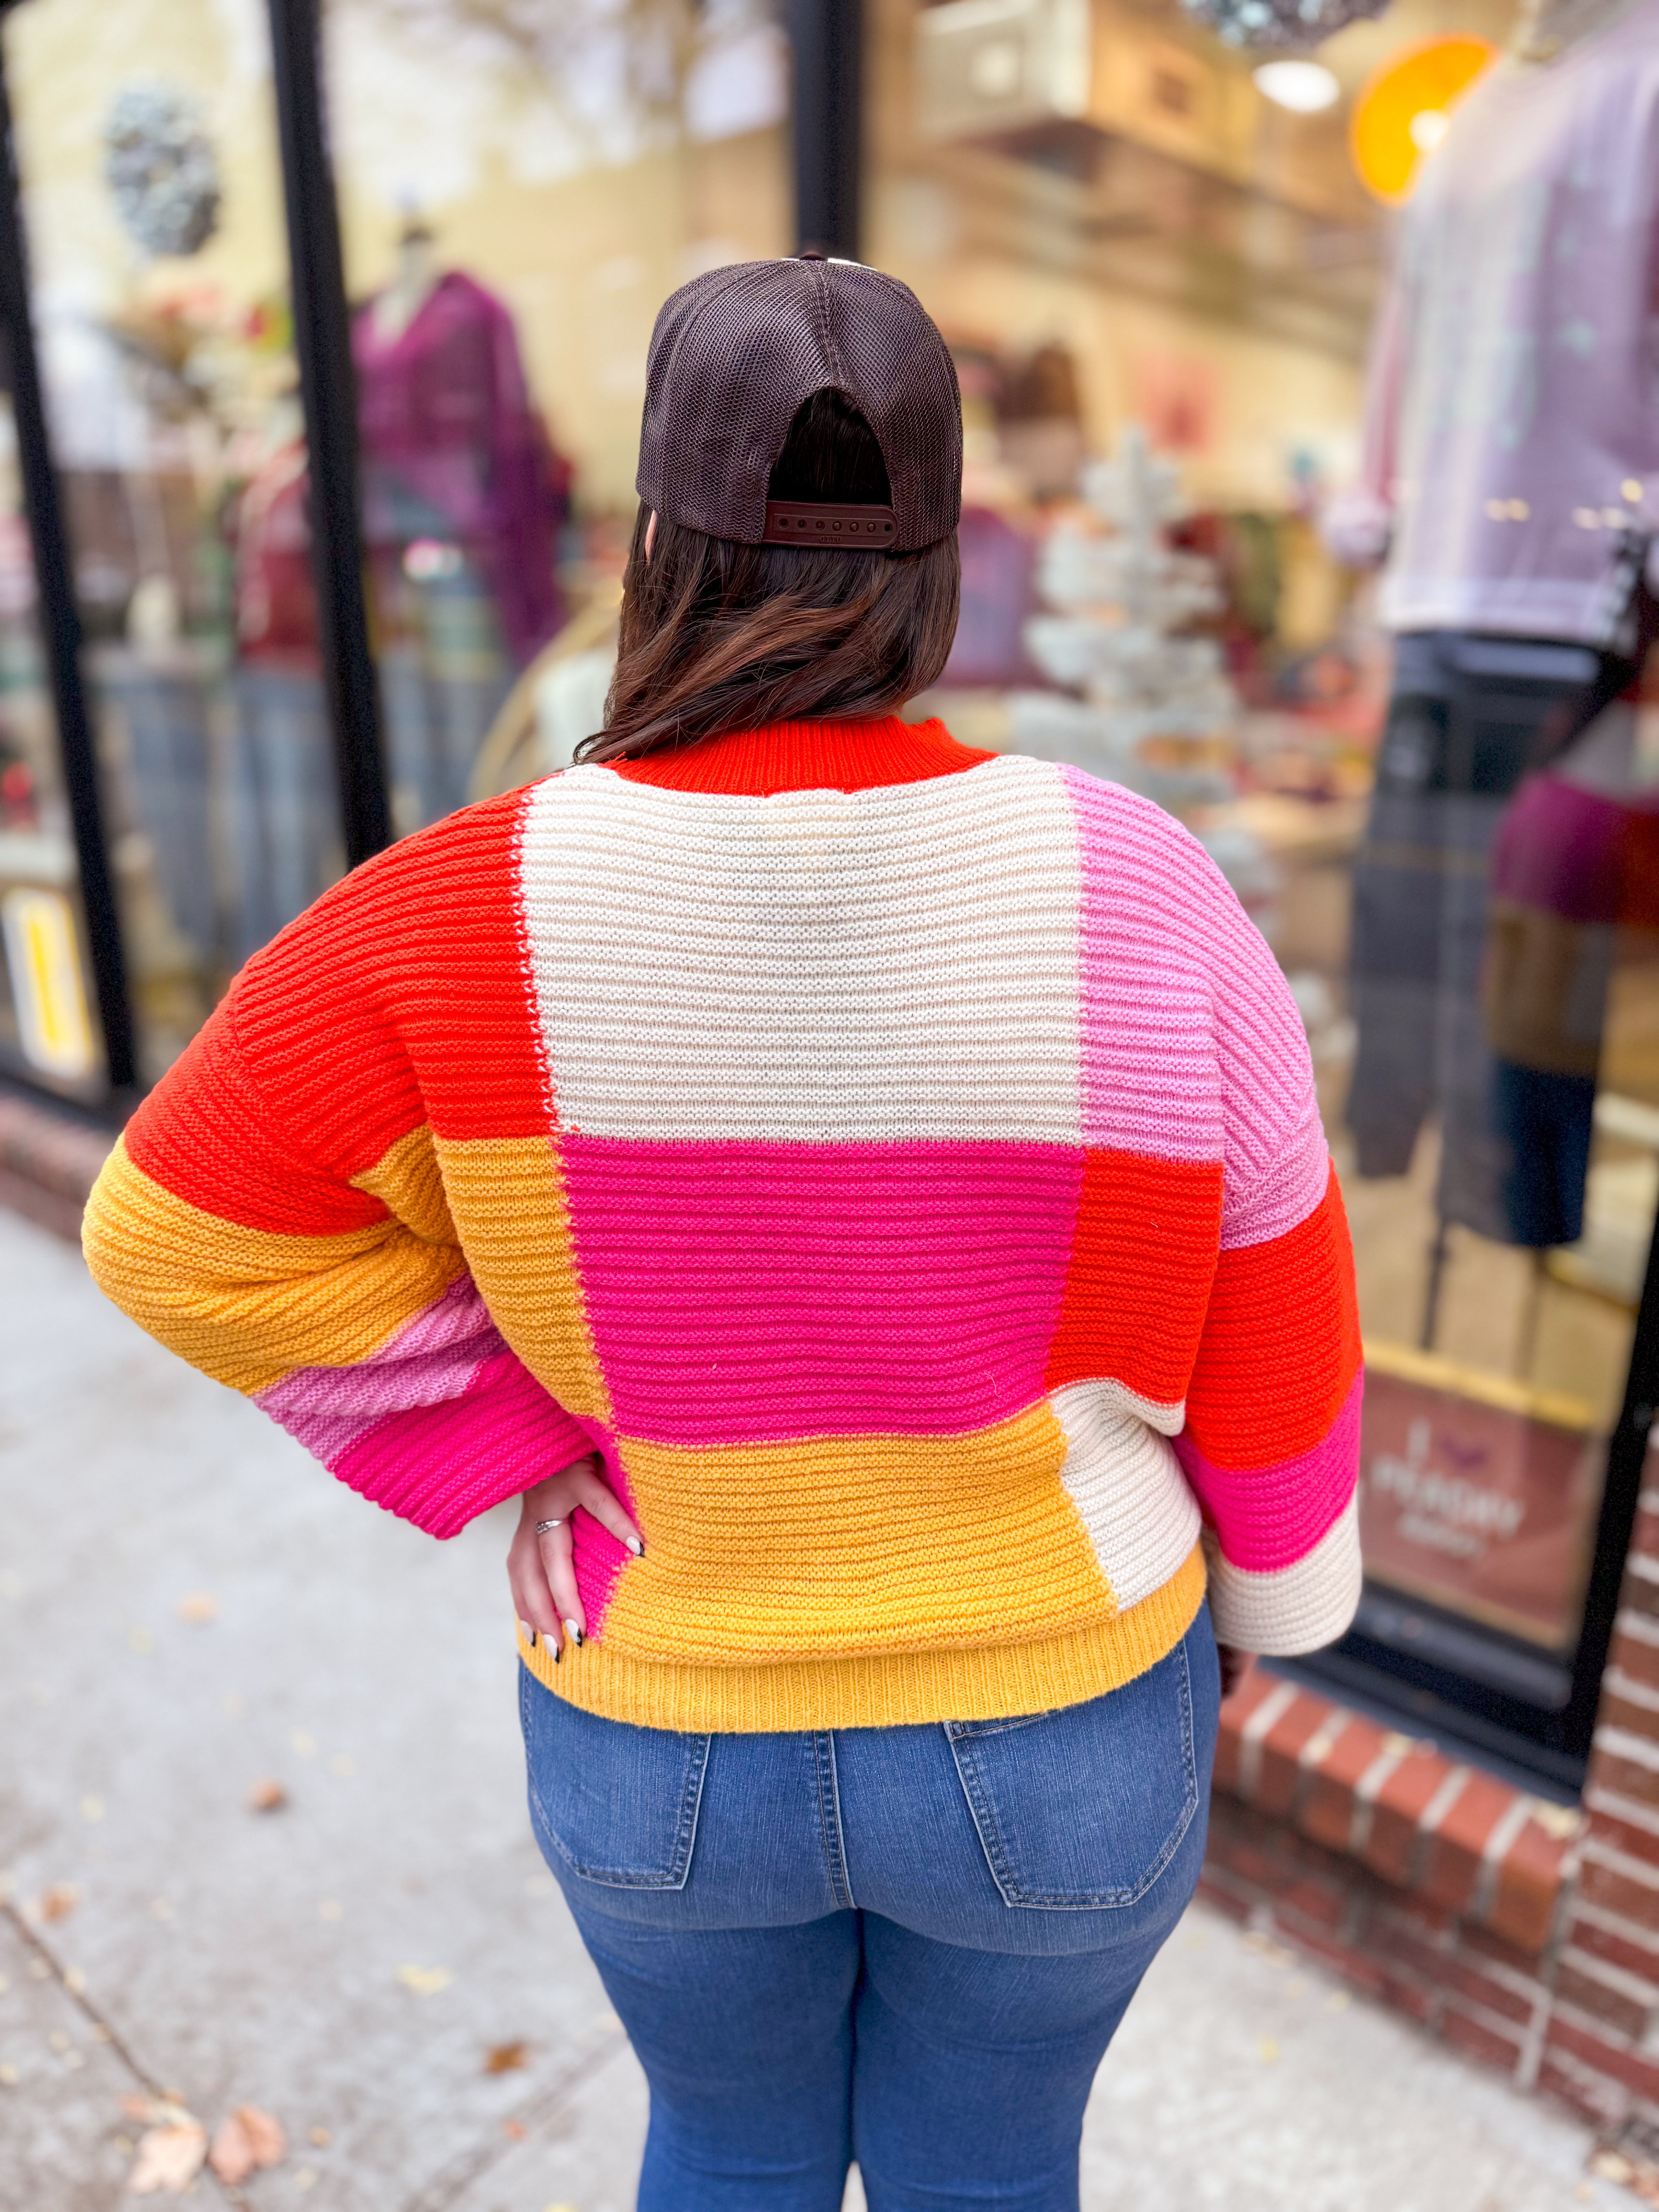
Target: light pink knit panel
[1192,1046]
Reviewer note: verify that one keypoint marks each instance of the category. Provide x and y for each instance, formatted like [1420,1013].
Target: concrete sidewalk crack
[447,2187]
[107,2033]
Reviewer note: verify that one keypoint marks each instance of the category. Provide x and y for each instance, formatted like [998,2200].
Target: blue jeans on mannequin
[905,1946]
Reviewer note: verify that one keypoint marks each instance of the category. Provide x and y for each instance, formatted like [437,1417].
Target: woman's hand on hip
[540,1565]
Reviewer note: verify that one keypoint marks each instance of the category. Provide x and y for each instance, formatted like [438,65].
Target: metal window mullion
[60,619]
[322,346]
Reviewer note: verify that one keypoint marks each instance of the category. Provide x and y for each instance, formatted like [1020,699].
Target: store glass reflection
[152,200]
[47,1031]
[1313,460]
[520,188]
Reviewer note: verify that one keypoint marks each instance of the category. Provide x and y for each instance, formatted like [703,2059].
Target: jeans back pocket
[1084,1807]
[613,1804]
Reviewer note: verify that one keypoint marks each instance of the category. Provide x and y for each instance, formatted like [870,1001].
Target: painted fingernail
[526,1632]
[636,1547]
[574,1634]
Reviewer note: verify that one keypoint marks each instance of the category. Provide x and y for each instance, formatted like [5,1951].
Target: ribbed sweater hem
[885,1689]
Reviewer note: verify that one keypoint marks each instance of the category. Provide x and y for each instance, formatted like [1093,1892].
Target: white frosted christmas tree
[1122,600]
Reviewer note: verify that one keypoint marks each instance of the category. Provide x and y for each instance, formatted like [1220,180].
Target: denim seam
[993,1842]
[828,1788]
[685,1826]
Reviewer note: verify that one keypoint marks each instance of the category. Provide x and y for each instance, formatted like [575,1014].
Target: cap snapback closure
[821,522]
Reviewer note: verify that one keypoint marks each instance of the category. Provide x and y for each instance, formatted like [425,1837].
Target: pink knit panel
[440,1466]
[1192,1045]
[1270,1516]
[743,1292]
[432,1358]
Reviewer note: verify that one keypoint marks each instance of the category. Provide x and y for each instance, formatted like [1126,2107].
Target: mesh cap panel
[734,355]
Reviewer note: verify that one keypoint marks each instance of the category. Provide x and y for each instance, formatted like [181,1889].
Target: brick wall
[1525,1933]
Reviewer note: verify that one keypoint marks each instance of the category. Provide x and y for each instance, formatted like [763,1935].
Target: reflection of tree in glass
[600,61]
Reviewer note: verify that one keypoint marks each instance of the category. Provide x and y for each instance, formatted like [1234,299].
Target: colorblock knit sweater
[899,1163]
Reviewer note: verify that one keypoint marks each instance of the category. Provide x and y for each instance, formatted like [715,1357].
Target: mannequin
[1511,479]
[462,499]
[413,280]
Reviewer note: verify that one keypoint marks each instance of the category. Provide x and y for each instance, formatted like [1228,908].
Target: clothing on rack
[1441,985]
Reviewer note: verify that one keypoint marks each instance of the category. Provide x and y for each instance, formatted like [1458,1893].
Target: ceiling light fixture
[1305,88]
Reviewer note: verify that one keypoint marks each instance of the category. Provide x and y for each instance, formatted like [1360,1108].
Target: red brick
[1409,1997]
[1645,1537]
[1243,1858]
[1391,1847]
[1415,1917]
[1529,1891]
[1353,1965]
[1611,1827]
[1574,1987]
[1618,1950]
[1326,1810]
[1323,1902]
[1636,2072]
[1604,2103]
[1490,2044]
[1222,1897]
[1258,1685]
[1623,1777]
[1280,1777]
[1621,1712]
[1640,1661]
[1639,1595]
[1482,1943]
[1618,1892]
[1497,1996]
[1452,1865]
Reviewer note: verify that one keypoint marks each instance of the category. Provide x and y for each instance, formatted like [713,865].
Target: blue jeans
[905,1946]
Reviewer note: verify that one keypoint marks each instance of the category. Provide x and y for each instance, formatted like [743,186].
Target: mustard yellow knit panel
[847,1544]
[247,1306]
[880,1689]
[407,1178]
[508,1198]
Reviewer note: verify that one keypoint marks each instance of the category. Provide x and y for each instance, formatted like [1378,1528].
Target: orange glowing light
[1401,114]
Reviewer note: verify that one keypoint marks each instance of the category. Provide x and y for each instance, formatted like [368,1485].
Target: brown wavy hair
[718,636]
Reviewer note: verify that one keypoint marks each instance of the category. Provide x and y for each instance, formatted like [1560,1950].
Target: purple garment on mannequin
[443,409]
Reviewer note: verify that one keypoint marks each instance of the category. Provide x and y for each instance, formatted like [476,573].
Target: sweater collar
[851,756]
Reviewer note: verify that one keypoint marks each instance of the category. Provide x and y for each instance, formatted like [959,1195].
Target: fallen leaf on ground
[513,2128]
[244,2139]
[267,1796]
[156,2112]
[425,1981]
[1612,2166]
[320,2137]
[506,2058]
[198,1607]
[60,1901]
[168,2160]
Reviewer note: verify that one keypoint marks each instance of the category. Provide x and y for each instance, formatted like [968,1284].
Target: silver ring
[542,1526]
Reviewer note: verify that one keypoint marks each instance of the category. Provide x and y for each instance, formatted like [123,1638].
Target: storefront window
[520,188]
[1275,381]
[47,1031]
[153,207]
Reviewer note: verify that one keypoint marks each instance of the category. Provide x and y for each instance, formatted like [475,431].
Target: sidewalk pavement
[189,1607]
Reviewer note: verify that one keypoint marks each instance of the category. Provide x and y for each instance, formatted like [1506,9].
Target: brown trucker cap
[734,355]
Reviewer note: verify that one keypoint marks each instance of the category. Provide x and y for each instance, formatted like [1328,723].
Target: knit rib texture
[897,1164]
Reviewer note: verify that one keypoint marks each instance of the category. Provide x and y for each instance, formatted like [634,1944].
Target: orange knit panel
[1139,1274]
[1281,1343]
[204,1133]
[410,975]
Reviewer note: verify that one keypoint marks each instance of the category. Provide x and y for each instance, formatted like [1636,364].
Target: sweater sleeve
[1271,1445]
[339,1301]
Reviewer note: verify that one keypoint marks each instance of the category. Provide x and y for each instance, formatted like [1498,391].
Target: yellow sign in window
[44,963]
